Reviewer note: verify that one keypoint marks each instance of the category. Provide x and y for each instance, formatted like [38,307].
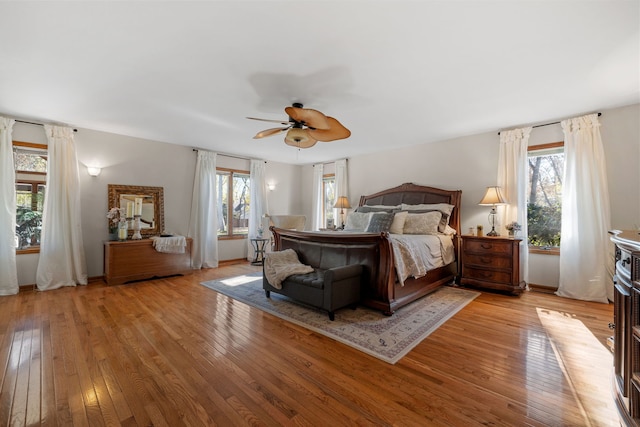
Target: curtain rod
[552,123]
[37,124]
[229,155]
[328,163]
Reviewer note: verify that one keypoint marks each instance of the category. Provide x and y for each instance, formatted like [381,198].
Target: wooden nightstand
[492,263]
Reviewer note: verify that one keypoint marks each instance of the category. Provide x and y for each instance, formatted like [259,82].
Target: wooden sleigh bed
[380,287]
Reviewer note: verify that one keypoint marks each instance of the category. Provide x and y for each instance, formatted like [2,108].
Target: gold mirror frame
[116,192]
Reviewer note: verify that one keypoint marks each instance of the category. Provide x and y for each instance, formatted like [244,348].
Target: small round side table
[258,246]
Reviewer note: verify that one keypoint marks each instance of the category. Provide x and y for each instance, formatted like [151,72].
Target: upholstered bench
[328,289]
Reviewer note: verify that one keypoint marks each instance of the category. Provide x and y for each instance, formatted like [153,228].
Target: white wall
[133,161]
[470,164]
[467,163]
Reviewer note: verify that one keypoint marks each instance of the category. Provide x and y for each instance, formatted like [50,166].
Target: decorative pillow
[397,225]
[357,221]
[445,208]
[422,223]
[380,221]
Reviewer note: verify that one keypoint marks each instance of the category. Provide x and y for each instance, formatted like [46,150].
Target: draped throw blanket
[170,245]
[415,255]
[280,265]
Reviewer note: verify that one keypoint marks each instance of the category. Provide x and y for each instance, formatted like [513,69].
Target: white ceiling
[396,73]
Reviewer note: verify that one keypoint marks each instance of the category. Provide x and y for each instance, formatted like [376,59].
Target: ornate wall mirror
[152,218]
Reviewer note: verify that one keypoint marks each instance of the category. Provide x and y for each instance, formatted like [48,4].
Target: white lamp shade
[493,196]
[342,203]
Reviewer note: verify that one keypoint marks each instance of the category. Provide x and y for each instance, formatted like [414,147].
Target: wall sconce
[271,186]
[93,171]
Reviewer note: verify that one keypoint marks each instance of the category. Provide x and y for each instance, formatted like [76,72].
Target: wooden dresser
[137,259]
[626,326]
[492,263]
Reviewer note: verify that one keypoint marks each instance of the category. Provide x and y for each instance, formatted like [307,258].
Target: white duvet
[416,254]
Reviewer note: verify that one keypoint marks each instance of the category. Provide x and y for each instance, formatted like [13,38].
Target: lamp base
[493,233]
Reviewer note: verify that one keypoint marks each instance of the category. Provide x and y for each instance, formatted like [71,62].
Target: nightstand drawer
[487,246]
[486,275]
[473,260]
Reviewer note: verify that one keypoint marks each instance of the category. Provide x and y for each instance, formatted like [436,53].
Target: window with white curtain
[30,161]
[328,199]
[234,198]
[544,201]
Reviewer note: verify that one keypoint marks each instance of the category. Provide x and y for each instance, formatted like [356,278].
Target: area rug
[388,338]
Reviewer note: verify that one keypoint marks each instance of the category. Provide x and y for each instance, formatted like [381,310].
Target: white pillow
[357,221]
[443,207]
[422,223]
[397,226]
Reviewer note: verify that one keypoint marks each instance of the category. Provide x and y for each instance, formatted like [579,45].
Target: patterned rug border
[388,338]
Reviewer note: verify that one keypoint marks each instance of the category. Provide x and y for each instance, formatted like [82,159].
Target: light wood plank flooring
[173,353]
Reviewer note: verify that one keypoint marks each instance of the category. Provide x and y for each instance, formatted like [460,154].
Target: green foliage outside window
[544,223]
[544,207]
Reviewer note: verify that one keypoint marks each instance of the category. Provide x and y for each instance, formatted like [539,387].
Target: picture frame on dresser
[152,206]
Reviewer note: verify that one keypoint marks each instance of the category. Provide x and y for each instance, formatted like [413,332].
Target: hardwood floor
[172,352]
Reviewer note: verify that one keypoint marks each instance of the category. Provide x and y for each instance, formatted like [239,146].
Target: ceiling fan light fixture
[305,127]
[297,137]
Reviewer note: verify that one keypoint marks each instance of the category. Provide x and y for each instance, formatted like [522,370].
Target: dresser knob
[612,325]
[486,246]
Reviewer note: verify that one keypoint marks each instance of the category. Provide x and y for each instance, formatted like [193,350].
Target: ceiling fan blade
[282,122]
[336,131]
[269,132]
[309,117]
[299,138]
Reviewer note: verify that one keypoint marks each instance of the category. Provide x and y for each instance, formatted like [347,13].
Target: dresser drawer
[488,261]
[486,275]
[488,246]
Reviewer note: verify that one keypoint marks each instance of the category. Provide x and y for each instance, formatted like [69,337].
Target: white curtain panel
[342,186]
[62,259]
[203,224]
[585,248]
[258,199]
[8,271]
[318,196]
[513,178]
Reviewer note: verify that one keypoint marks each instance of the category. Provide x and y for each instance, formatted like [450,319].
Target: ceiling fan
[305,127]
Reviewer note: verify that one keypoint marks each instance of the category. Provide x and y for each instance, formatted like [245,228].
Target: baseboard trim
[542,288]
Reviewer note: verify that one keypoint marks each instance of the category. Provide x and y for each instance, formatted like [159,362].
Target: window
[234,202]
[544,205]
[328,200]
[30,162]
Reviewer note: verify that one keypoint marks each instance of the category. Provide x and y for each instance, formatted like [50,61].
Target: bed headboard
[413,194]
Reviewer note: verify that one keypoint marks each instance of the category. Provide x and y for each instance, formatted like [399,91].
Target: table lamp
[342,204]
[493,197]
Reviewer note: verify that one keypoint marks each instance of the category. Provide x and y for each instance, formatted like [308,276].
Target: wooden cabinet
[137,259]
[626,326]
[492,263]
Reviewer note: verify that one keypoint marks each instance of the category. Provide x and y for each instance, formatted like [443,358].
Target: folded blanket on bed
[415,255]
[280,265]
[170,245]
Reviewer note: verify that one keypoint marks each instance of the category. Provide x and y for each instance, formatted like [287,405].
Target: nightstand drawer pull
[485,260]
[486,246]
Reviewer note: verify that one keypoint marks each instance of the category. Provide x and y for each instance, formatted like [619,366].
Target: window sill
[544,251]
[34,250]
[240,237]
